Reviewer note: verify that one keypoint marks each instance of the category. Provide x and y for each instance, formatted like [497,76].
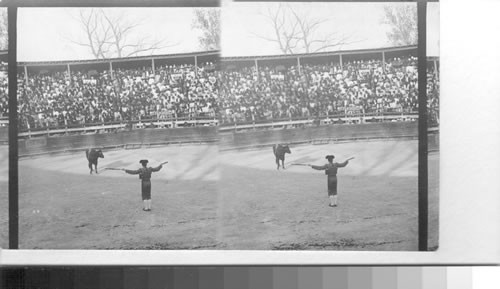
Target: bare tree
[284,29]
[208,21]
[403,21]
[299,32]
[109,34]
[4,35]
[96,34]
[308,31]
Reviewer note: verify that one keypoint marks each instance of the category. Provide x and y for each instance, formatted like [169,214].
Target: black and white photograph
[213,133]
[250,126]
[319,126]
[117,121]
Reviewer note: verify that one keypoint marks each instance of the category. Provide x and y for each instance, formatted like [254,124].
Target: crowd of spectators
[358,87]
[368,87]
[433,96]
[61,99]
[4,90]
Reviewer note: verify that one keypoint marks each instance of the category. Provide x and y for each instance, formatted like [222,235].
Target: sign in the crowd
[353,109]
[176,76]
[278,76]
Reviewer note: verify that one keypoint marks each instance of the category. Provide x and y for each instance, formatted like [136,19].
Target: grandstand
[62,97]
[178,90]
[327,87]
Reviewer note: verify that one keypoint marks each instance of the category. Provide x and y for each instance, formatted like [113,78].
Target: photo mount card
[228,157]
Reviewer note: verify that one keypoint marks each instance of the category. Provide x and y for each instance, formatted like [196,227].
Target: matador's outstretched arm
[319,168]
[132,172]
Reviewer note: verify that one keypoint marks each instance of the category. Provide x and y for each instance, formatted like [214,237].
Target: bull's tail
[274,149]
[87,153]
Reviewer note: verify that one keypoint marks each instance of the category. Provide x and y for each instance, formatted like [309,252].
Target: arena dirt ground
[62,206]
[263,208]
[208,199]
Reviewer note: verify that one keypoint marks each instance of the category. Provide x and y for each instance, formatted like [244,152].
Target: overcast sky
[43,32]
[242,21]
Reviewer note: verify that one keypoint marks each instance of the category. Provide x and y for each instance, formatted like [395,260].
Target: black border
[13,150]
[12,73]
[423,194]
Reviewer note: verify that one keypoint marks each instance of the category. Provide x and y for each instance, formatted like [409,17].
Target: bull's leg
[277,163]
[90,167]
[96,167]
[283,163]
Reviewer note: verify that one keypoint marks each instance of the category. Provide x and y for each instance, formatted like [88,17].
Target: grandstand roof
[216,52]
[123,59]
[319,54]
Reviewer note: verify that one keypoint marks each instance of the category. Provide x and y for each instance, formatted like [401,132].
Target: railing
[135,124]
[322,120]
[322,141]
[223,127]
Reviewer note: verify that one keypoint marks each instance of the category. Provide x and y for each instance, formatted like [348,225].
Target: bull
[92,156]
[279,152]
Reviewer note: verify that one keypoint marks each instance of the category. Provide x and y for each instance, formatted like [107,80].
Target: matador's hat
[143,161]
[330,157]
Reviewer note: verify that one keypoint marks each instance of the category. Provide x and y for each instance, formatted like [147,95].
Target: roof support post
[298,65]
[111,68]
[69,72]
[436,69]
[153,65]
[257,67]
[26,75]
[340,61]
[383,60]
[196,65]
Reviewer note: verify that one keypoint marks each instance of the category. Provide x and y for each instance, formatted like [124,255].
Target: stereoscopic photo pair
[251,126]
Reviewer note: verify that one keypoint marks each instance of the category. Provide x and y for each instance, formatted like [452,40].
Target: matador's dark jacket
[331,171]
[145,175]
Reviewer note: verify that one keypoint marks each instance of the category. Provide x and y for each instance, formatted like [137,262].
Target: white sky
[433,28]
[362,21]
[43,32]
